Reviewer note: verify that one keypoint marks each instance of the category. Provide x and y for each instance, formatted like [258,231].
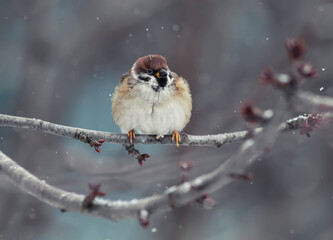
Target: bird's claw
[131,135]
[176,137]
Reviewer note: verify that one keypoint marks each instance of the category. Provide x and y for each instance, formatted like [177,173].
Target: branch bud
[307,70]
[253,114]
[143,217]
[296,48]
[94,192]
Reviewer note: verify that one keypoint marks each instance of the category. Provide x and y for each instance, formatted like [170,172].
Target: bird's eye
[149,71]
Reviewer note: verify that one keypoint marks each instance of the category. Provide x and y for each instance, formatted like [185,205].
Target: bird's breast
[153,118]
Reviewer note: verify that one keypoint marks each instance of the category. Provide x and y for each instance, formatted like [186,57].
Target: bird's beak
[161,74]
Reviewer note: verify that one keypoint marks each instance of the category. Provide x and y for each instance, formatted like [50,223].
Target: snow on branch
[216,140]
[68,201]
[175,196]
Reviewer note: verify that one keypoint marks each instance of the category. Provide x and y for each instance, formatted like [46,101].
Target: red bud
[296,48]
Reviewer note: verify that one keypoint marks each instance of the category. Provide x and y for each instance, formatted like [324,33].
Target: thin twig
[135,153]
[310,101]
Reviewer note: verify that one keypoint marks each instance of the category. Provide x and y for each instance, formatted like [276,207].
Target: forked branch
[176,196]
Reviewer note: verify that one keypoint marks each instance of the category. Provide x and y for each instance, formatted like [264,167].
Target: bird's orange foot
[131,135]
[176,136]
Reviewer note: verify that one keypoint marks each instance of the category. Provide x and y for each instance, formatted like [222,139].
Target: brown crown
[153,62]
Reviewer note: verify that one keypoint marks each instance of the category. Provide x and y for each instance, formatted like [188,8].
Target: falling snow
[176,27]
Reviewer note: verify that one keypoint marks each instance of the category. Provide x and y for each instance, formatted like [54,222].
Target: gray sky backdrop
[60,61]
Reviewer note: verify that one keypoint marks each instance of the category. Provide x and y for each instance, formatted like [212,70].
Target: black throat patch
[162,82]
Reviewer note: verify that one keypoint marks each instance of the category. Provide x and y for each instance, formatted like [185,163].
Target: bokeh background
[60,61]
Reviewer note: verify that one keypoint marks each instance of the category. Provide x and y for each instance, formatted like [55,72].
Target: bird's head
[152,71]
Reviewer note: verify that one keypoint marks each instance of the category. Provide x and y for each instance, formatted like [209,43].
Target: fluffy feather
[135,105]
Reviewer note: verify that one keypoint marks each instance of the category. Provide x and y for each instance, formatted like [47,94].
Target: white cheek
[170,80]
[134,75]
[151,82]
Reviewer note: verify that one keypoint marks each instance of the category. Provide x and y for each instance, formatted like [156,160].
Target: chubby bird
[151,99]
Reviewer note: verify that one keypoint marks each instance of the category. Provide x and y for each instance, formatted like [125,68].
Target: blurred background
[60,61]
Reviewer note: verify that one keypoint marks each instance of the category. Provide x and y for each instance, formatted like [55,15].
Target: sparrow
[151,99]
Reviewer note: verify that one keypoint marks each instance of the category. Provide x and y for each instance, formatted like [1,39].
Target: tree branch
[216,140]
[175,196]
[112,210]
[313,102]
